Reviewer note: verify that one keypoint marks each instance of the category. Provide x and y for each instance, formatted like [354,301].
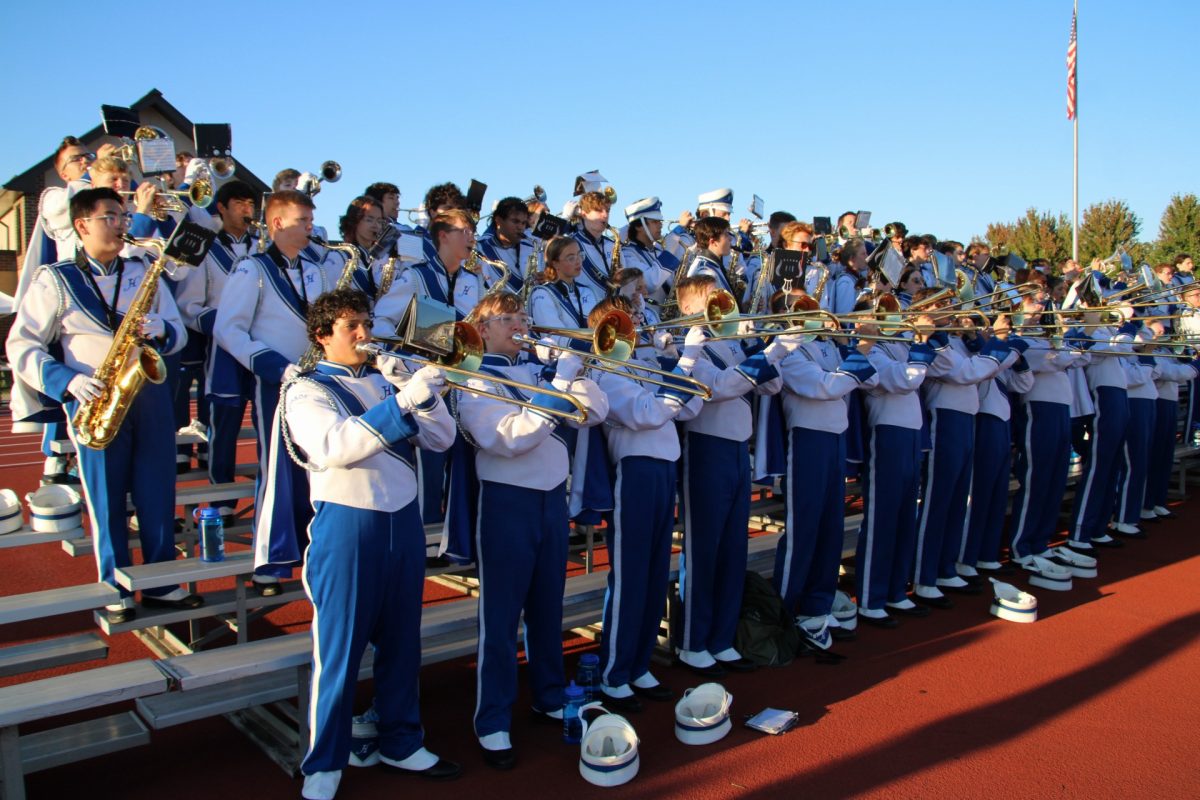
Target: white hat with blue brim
[646,208]
[716,200]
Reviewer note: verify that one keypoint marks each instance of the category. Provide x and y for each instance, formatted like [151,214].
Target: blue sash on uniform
[487,246]
[705,266]
[84,295]
[281,283]
[598,275]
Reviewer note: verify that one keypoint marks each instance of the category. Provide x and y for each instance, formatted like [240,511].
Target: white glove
[290,371]
[153,327]
[663,340]
[777,351]
[545,354]
[697,336]
[85,388]
[425,384]
[745,327]
[569,367]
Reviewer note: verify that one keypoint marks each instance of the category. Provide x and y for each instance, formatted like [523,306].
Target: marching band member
[983,525]
[1140,374]
[440,277]
[388,197]
[261,323]
[522,462]
[228,386]
[562,301]
[911,282]
[508,242]
[1189,326]
[595,246]
[361,226]
[644,447]
[847,277]
[713,243]
[891,480]
[716,480]
[1043,440]
[951,392]
[364,569]
[817,380]
[919,253]
[1107,382]
[641,251]
[76,305]
[1171,373]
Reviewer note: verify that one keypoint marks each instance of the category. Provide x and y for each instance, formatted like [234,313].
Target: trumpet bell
[201,193]
[331,172]
[467,352]
[615,336]
[222,168]
[610,194]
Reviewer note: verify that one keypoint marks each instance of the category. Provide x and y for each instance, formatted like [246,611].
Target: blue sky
[946,115]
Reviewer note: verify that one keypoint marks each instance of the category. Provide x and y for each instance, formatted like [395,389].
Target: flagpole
[1075,193]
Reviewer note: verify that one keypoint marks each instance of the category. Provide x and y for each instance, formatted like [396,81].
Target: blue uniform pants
[139,462]
[712,572]
[984,526]
[364,573]
[1193,410]
[1162,454]
[225,417]
[1044,456]
[1132,468]
[639,546]
[806,560]
[521,543]
[1097,487]
[883,564]
[944,505]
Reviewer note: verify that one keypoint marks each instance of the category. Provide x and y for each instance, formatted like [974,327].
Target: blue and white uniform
[516,257]
[716,496]
[597,258]
[817,382]
[891,481]
[644,447]
[261,323]
[841,290]
[1043,442]
[1172,372]
[561,305]
[364,569]
[706,263]
[427,279]
[522,462]
[951,395]
[64,327]
[1140,373]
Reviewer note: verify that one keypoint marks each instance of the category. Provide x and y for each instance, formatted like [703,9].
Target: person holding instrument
[365,568]
[78,305]
[561,301]
[523,455]
[641,251]
[597,249]
[507,242]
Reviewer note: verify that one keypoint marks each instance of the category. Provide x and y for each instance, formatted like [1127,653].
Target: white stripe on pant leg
[687,536]
[966,528]
[87,497]
[615,564]
[1126,482]
[870,525]
[789,530]
[479,612]
[1091,476]
[932,470]
[1028,484]
[314,700]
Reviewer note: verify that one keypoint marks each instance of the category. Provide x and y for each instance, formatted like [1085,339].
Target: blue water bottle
[588,675]
[212,535]
[572,725]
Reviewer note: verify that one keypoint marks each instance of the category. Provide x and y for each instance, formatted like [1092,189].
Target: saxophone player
[506,241]
[78,303]
[641,251]
[597,249]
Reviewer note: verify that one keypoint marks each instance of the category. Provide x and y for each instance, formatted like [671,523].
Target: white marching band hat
[646,208]
[54,508]
[702,714]
[1012,604]
[1046,574]
[716,200]
[845,611]
[589,182]
[608,749]
[10,512]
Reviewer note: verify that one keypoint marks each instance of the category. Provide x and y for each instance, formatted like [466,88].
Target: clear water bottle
[212,535]
[588,675]
[572,725]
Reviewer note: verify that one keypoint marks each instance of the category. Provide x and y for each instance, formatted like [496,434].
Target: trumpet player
[77,305]
[506,241]
[1171,373]
[714,243]
[522,461]
[261,323]
[1141,371]
[228,387]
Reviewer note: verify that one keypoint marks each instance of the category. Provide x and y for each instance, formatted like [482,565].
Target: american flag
[1071,71]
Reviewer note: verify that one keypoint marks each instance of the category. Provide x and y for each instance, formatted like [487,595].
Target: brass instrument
[613,341]
[531,269]
[166,201]
[128,364]
[353,262]
[472,265]
[127,151]
[672,301]
[264,240]
[468,348]
[615,264]
[719,306]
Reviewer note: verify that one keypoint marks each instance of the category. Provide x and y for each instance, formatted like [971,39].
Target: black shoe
[544,717]
[623,705]
[1005,568]
[842,635]
[267,589]
[186,602]
[970,588]
[714,670]
[880,622]
[658,693]
[915,611]
[499,759]
[119,615]
[942,602]
[64,478]
[443,770]
[1169,515]
[742,664]
[1141,535]
[1111,543]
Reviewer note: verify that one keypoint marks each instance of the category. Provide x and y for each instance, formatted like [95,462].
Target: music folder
[189,243]
[427,328]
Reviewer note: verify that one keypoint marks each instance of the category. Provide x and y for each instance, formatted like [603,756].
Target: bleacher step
[27,536]
[215,603]
[64,694]
[72,743]
[18,658]
[52,602]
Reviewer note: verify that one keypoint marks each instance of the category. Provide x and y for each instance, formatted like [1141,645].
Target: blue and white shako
[717,200]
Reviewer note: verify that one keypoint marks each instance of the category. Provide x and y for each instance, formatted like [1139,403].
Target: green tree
[998,234]
[1105,227]
[1179,229]
[1041,235]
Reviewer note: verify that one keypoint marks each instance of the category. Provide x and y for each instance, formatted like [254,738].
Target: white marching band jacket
[817,382]
[639,416]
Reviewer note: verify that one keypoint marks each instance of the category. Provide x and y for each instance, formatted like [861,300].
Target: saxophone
[314,352]
[128,364]
[616,255]
[531,271]
[474,260]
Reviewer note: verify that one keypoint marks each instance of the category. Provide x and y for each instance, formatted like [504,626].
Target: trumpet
[199,194]
[468,350]
[260,230]
[613,341]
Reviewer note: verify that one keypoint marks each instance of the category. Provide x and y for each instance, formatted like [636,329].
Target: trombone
[720,304]
[468,349]
[613,341]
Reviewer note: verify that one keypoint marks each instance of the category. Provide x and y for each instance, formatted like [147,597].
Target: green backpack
[766,633]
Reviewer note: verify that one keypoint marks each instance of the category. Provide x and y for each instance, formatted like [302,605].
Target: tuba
[128,364]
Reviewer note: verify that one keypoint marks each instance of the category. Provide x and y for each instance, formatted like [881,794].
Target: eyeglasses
[802,246]
[123,220]
[574,258]
[509,319]
[81,158]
